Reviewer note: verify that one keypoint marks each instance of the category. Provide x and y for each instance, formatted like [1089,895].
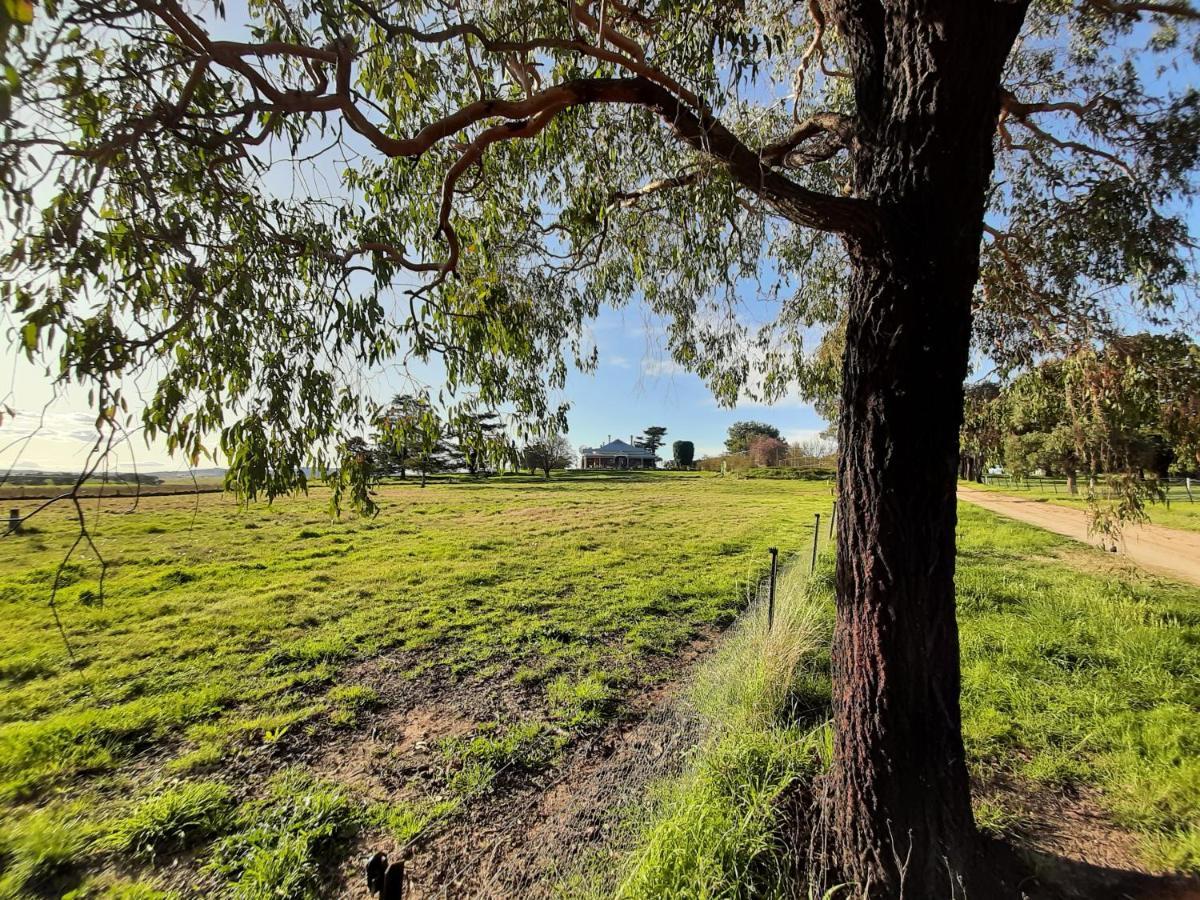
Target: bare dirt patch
[538,835]
[533,829]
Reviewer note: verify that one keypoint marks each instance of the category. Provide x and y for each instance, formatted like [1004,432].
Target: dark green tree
[1049,424]
[402,430]
[907,168]
[652,438]
[740,435]
[476,436]
[684,454]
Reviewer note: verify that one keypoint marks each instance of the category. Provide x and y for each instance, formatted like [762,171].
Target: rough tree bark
[926,77]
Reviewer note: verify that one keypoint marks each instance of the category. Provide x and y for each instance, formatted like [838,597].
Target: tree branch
[1179,9]
[837,127]
[816,47]
[632,61]
[683,179]
[648,88]
[1076,146]
[1011,106]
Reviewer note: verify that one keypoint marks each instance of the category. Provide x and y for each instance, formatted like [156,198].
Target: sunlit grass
[227,632]
[1071,678]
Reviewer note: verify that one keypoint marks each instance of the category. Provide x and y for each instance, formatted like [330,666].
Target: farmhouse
[617,455]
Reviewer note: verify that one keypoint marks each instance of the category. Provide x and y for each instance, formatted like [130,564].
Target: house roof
[618,448]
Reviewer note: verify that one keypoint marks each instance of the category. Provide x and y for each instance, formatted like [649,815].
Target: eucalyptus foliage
[245,212]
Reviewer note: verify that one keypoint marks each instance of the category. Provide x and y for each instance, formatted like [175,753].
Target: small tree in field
[551,452]
[767,451]
[903,174]
[684,454]
[472,433]
[742,433]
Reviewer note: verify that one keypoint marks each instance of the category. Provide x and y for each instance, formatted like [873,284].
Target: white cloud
[659,367]
[620,362]
[74,427]
[61,440]
[804,435]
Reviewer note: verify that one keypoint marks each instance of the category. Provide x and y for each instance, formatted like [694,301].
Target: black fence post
[816,537]
[774,551]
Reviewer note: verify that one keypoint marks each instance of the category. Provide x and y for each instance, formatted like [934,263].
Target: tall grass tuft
[171,819]
[719,830]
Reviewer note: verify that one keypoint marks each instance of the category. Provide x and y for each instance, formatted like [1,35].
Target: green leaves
[182,222]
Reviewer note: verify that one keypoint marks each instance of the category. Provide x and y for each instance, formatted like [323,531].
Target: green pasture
[222,631]
[170,753]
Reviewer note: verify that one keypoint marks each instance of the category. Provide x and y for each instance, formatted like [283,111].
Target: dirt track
[1167,551]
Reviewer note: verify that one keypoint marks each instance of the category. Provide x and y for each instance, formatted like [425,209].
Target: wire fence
[1178,489]
[574,831]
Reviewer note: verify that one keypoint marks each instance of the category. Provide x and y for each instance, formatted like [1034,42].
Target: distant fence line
[1178,488]
[91,492]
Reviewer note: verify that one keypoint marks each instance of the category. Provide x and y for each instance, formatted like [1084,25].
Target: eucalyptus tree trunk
[927,78]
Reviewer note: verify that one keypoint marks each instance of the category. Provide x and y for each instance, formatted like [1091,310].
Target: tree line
[753,444]
[414,437]
[1130,406]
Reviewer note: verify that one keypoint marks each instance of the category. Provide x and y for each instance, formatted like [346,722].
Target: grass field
[185,749]
[1081,690]
[1181,512]
[226,636]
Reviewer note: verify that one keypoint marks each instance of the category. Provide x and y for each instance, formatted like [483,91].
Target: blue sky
[636,385]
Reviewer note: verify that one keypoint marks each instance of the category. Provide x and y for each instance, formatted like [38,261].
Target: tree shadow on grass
[1048,876]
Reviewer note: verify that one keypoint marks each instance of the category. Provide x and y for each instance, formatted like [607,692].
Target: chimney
[631,439]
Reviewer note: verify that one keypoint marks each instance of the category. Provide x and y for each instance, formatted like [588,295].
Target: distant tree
[814,451]
[684,453]
[1047,423]
[475,434]
[741,433]
[411,435]
[765,450]
[652,438]
[546,453]
[1153,390]
[1128,407]
[982,434]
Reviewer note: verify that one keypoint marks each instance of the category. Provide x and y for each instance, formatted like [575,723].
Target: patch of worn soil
[534,829]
